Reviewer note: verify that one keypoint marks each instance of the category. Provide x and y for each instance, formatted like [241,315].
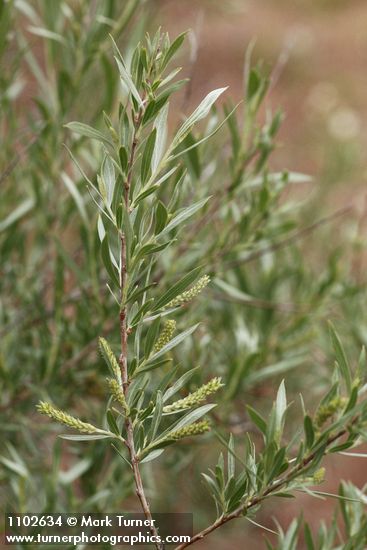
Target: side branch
[280,484]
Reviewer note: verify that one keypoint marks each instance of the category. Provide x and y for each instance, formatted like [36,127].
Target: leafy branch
[297,471]
[140,195]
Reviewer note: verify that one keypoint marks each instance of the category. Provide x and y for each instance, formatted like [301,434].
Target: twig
[283,307]
[139,488]
[18,157]
[243,508]
[302,233]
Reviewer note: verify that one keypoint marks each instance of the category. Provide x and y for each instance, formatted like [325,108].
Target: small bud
[118,394]
[110,358]
[114,134]
[324,413]
[195,429]
[64,418]
[196,397]
[319,476]
[191,293]
[165,336]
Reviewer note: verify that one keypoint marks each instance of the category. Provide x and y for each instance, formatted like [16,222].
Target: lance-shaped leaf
[200,112]
[78,199]
[173,343]
[189,418]
[160,124]
[182,381]
[108,174]
[88,131]
[146,163]
[177,289]
[184,214]
[341,358]
[128,81]
[157,417]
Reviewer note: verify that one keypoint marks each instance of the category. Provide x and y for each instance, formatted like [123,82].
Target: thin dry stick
[300,234]
[124,353]
[282,482]
[18,157]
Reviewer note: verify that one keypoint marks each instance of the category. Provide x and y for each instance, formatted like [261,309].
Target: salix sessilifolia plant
[138,195]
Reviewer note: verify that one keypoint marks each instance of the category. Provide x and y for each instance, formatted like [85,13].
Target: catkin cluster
[118,394]
[325,412]
[319,476]
[191,293]
[108,354]
[64,418]
[195,429]
[165,336]
[196,397]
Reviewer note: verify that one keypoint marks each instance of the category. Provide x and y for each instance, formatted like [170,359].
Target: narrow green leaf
[341,358]
[161,216]
[184,214]
[257,419]
[180,383]
[176,45]
[69,476]
[280,405]
[154,107]
[88,131]
[151,336]
[309,432]
[157,417]
[106,257]
[308,538]
[89,437]
[46,33]
[151,365]
[231,459]
[190,418]
[128,81]
[145,193]
[123,158]
[112,422]
[253,84]
[200,112]
[78,199]
[173,343]
[15,466]
[152,456]
[147,157]
[108,174]
[18,213]
[160,125]
[177,288]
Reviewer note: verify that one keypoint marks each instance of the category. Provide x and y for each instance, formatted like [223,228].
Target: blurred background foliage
[286,252]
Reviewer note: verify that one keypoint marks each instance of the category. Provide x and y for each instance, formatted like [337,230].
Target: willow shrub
[180,270]
[144,210]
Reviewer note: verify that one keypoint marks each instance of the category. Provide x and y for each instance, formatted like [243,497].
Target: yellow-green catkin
[117,393]
[108,354]
[191,293]
[165,336]
[196,397]
[64,418]
[195,429]
[325,412]
[319,476]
